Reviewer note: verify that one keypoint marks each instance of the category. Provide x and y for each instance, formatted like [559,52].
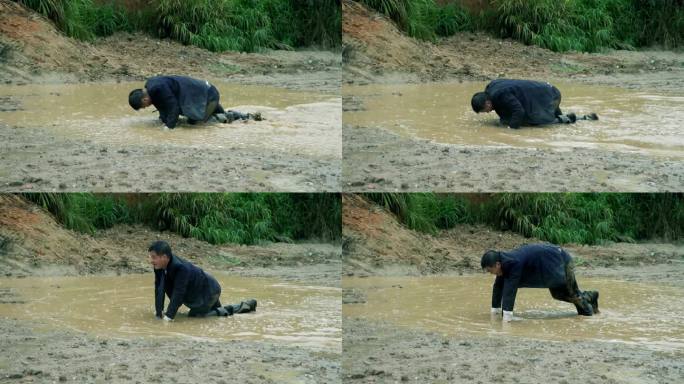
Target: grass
[215,218]
[216,25]
[559,25]
[557,218]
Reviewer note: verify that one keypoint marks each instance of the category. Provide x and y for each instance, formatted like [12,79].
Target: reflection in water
[294,120]
[629,120]
[630,312]
[124,306]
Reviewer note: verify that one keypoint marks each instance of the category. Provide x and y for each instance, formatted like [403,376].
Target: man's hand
[508,316]
[166,318]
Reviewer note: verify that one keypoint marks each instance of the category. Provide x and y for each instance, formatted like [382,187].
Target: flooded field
[294,120]
[123,306]
[631,313]
[630,121]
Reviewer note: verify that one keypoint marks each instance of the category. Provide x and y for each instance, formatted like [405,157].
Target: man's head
[160,254]
[138,98]
[491,261]
[481,103]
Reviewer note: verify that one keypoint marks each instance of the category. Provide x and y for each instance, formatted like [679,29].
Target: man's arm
[497,292]
[517,110]
[180,285]
[510,287]
[165,101]
[158,294]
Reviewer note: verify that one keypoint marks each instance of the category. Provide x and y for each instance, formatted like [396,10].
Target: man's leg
[577,297]
[209,310]
[212,103]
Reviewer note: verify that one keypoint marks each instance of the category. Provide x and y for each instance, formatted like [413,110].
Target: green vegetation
[217,25]
[215,218]
[560,25]
[557,218]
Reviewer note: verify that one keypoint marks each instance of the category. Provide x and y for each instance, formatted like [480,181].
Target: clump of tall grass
[559,25]
[212,217]
[424,19]
[554,217]
[216,25]
[83,19]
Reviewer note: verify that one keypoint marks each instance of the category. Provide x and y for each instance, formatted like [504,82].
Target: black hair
[135,98]
[490,258]
[478,101]
[160,248]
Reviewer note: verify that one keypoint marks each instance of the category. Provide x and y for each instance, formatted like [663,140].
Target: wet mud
[123,306]
[459,305]
[419,333]
[632,122]
[86,137]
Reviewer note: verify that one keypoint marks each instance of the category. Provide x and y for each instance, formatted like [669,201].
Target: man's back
[521,102]
[537,265]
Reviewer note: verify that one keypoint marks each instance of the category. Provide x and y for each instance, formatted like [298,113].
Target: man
[187,284]
[181,95]
[523,102]
[536,266]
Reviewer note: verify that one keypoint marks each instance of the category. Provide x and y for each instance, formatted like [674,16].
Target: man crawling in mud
[524,102]
[181,95]
[187,284]
[536,266]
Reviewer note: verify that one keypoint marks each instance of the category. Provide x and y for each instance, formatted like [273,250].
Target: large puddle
[629,120]
[123,306]
[636,313]
[294,120]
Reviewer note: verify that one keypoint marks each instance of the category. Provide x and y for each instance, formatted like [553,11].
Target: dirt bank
[374,243]
[377,158]
[376,51]
[34,51]
[33,243]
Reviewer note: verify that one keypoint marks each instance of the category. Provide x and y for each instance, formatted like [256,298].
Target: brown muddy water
[123,306]
[295,121]
[630,121]
[633,313]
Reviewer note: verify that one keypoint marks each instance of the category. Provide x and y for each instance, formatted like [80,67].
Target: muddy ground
[375,244]
[33,244]
[33,51]
[377,159]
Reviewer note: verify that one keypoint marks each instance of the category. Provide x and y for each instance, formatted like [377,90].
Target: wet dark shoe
[243,308]
[582,305]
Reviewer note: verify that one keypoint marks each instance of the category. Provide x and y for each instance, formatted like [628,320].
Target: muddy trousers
[208,310]
[217,310]
[571,293]
[213,106]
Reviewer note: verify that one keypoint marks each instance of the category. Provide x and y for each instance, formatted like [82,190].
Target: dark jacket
[519,102]
[529,266]
[184,283]
[178,95]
